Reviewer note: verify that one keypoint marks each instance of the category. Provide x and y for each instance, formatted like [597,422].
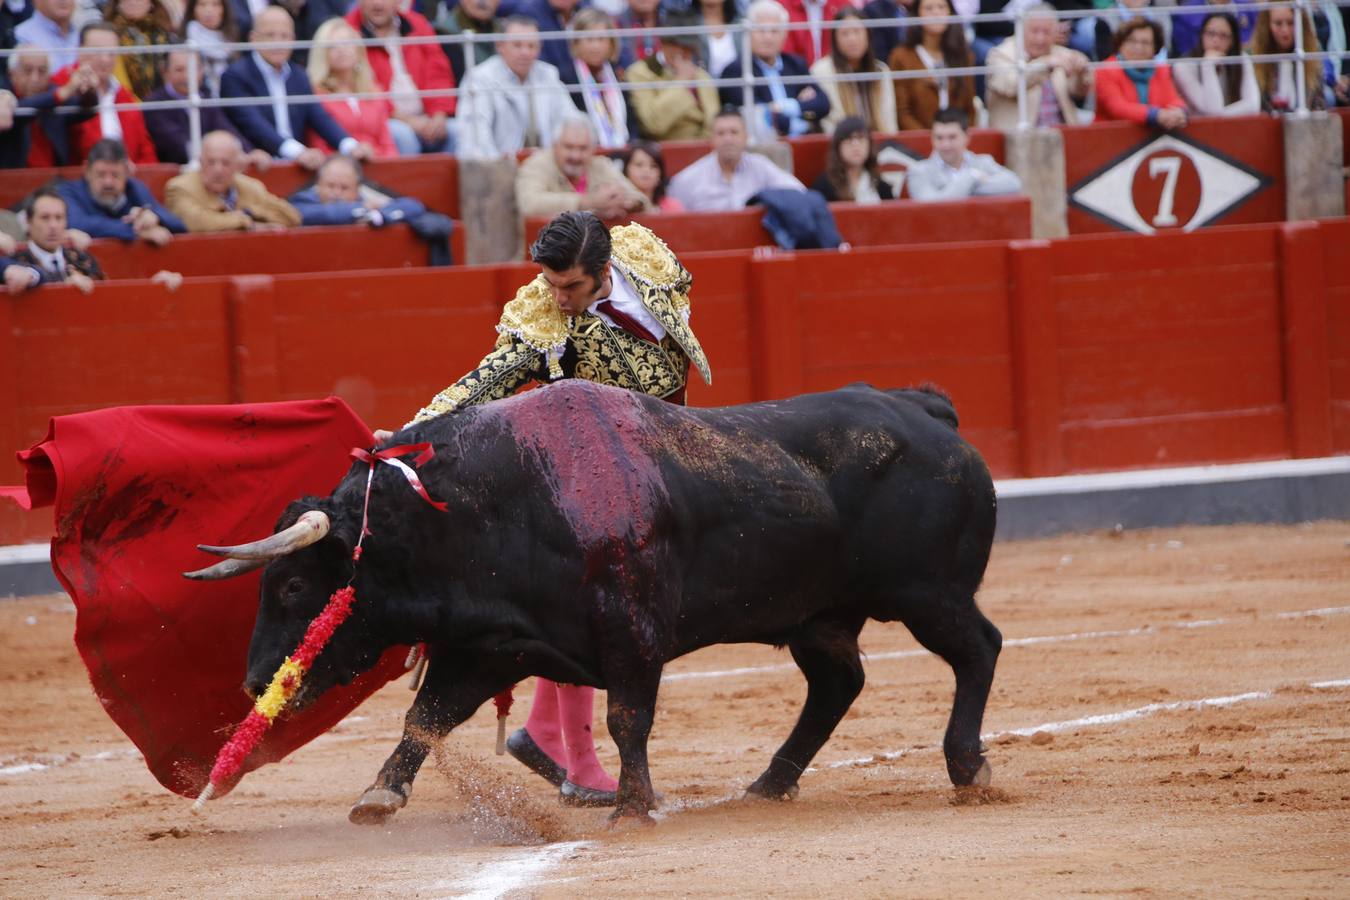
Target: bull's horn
[308,529]
[226,569]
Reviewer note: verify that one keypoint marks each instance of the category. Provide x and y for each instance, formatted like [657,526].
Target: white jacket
[493,109]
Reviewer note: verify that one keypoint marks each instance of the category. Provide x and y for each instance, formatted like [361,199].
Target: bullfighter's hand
[382,435]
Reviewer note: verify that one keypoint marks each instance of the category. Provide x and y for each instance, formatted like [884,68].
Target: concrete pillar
[487,206]
[1037,156]
[1314,177]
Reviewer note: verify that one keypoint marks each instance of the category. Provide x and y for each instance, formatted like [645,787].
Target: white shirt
[276,89]
[50,262]
[625,299]
[815,14]
[108,122]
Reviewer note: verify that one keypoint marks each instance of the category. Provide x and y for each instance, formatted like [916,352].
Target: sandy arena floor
[1171,717]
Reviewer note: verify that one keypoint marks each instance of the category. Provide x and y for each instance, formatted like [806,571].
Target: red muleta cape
[135,490]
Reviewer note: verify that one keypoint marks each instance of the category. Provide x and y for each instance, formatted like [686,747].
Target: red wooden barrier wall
[1085,354]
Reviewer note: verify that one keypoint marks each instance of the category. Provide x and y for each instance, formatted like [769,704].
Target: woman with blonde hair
[342,69]
[593,80]
[1273,34]
[140,23]
[933,48]
[851,54]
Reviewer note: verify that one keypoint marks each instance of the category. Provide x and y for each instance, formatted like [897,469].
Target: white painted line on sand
[507,873]
[1016,642]
[1112,718]
[1155,478]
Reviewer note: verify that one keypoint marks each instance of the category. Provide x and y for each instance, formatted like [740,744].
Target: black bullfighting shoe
[575,795]
[523,748]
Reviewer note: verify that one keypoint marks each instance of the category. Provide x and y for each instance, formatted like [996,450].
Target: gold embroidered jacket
[536,340]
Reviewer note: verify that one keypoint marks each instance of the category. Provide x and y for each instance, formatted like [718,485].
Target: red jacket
[83,135]
[1118,100]
[799,43]
[369,123]
[427,64]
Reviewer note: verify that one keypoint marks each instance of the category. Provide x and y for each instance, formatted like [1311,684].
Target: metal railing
[746,82]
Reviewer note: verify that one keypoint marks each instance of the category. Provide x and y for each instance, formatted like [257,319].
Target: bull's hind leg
[970,644]
[452,692]
[827,654]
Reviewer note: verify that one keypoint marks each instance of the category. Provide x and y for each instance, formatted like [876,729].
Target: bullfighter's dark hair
[951,116]
[107,150]
[575,238]
[47,190]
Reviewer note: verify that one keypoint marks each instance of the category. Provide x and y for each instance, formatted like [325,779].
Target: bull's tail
[934,401]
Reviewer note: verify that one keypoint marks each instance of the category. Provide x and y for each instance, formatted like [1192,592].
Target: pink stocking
[576,707]
[542,725]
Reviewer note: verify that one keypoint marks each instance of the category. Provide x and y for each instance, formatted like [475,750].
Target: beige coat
[671,113]
[1002,94]
[543,190]
[187,197]
[824,71]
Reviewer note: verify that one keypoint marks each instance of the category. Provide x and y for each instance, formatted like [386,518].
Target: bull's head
[307,559]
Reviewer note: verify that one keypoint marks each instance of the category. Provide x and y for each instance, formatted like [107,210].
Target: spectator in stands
[1122,11]
[645,168]
[420,124]
[218,197]
[513,101]
[728,177]
[640,14]
[851,174]
[813,42]
[933,48]
[1274,33]
[780,109]
[1065,71]
[169,128]
[851,54]
[1217,78]
[341,195]
[47,259]
[41,138]
[140,23]
[953,172]
[306,17]
[593,82]
[1131,90]
[570,176]
[108,203]
[278,125]
[341,70]
[720,48]
[552,15]
[13,14]
[210,25]
[97,39]
[476,17]
[51,27]
[1186,27]
[673,113]
[885,38]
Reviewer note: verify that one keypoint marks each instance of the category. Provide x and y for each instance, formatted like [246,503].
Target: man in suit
[108,202]
[513,101]
[953,172]
[39,137]
[780,109]
[218,198]
[276,124]
[46,259]
[308,15]
[169,128]
[340,195]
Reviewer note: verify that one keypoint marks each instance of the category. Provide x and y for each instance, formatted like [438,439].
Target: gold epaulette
[533,316]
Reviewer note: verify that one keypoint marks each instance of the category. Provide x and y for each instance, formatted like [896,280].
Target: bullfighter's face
[574,290]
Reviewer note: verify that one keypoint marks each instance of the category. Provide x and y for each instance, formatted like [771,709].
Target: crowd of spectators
[594,106]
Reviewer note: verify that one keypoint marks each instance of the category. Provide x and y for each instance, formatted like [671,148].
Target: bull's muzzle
[308,529]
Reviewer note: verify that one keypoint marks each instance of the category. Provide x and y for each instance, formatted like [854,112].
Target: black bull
[594,534]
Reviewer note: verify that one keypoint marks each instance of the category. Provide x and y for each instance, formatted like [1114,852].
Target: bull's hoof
[631,820]
[759,791]
[983,775]
[376,806]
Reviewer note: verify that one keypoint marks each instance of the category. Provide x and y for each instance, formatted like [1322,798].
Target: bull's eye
[294,588]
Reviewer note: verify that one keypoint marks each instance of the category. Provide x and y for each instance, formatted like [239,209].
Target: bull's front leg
[452,691]
[632,706]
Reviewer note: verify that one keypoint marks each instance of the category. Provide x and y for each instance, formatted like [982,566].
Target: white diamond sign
[1167,182]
